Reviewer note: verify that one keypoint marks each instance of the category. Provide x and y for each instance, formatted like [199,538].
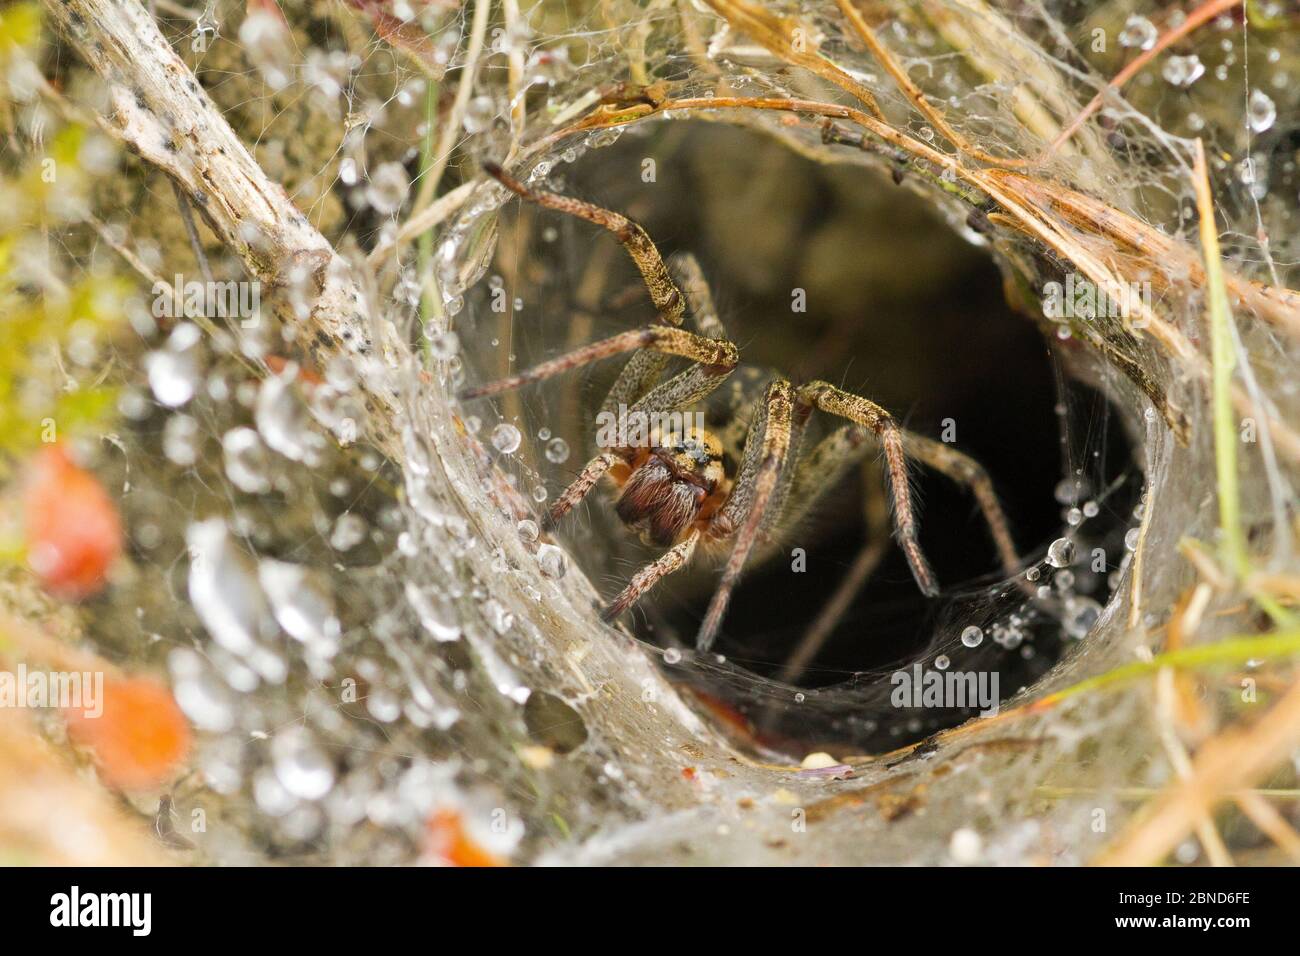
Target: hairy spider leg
[766,447]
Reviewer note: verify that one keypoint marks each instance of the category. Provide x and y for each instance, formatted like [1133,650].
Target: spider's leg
[658,281]
[873,550]
[967,471]
[766,448]
[633,386]
[675,558]
[826,464]
[579,488]
[816,473]
[666,339]
[836,401]
[703,313]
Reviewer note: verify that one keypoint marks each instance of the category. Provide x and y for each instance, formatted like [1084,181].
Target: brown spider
[673,487]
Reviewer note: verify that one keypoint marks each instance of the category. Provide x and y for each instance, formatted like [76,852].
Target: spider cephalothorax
[673,488]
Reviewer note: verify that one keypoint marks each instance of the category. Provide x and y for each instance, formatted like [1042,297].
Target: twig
[914,92]
[183,205]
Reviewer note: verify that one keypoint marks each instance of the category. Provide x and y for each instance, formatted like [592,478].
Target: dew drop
[245,460]
[557,451]
[349,531]
[388,188]
[1071,491]
[1183,70]
[1261,112]
[173,371]
[443,346]
[1138,32]
[223,589]
[199,693]
[1060,553]
[479,114]
[506,438]
[283,420]
[301,767]
[302,604]
[553,561]
[972,636]
[435,610]
[181,440]
[1081,613]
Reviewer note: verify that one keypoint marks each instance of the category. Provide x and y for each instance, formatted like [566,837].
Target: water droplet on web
[1070,491]
[539,494]
[199,693]
[384,707]
[283,420]
[181,440]
[349,531]
[245,460]
[972,636]
[497,615]
[557,451]
[174,371]
[223,588]
[1060,553]
[506,438]
[444,345]
[479,114]
[435,610]
[1183,70]
[387,188]
[672,656]
[1032,574]
[1081,613]
[965,846]
[1138,32]
[1131,538]
[1261,112]
[301,767]
[527,529]
[553,561]
[941,662]
[548,66]
[301,603]
[604,137]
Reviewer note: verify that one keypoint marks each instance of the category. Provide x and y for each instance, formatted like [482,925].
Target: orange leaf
[449,842]
[140,738]
[73,530]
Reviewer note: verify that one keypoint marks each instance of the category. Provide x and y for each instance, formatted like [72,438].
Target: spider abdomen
[658,503]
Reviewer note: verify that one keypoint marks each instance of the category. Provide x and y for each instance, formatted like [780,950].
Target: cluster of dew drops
[1183,71]
[1065,579]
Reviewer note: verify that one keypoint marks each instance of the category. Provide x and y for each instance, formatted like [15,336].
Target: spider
[674,488]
